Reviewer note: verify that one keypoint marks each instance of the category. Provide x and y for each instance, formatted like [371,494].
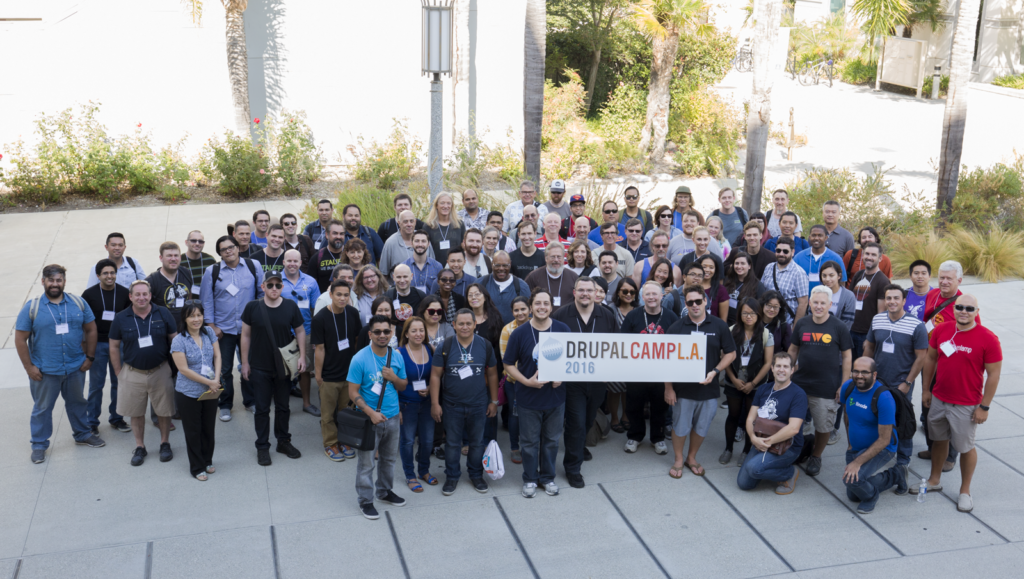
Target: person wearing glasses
[261,363]
[294,240]
[634,243]
[789,280]
[610,234]
[450,299]
[663,222]
[961,374]
[554,277]
[304,291]
[261,227]
[432,311]
[684,204]
[577,208]
[196,260]
[610,213]
[515,213]
[633,211]
[746,373]
[659,250]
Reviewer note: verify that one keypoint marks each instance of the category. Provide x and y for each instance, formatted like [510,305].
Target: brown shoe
[787,487]
[925,454]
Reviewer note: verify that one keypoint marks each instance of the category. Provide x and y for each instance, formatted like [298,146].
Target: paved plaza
[87,513]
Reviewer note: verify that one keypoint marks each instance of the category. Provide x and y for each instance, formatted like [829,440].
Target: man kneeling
[782,402]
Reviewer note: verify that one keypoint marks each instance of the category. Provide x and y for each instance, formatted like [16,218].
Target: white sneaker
[551,488]
[225,415]
[529,490]
[833,437]
[660,447]
[632,446]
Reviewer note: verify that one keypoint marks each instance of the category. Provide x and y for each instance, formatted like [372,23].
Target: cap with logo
[273,275]
[577,198]
[558,186]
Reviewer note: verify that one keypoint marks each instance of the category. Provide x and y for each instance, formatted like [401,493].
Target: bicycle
[813,73]
[744,61]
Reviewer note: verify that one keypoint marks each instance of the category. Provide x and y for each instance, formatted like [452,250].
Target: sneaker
[660,447]
[449,487]
[347,452]
[743,458]
[725,457]
[285,447]
[479,484]
[95,430]
[833,438]
[739,434]
[92,442]
[517,456]
[902,487]
[225,415]
[866,509]
[165,452]
[251,409]
[631,446]
[439,452]
[813,466]
[723,404]
[965,503]
[575,481]
[334,453]
[121,426]
[311,409]
[551,488]
[587,455]
[529,490]
[787,487]
[263,456]
[139,456]
[369,511]
[39,455]
[295,392]
[392,499]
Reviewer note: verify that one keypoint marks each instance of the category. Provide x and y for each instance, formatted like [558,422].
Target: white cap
[558,186]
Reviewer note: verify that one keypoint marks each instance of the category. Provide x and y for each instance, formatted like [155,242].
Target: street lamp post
[437,60]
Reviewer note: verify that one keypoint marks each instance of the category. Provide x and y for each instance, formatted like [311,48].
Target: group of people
[432,330]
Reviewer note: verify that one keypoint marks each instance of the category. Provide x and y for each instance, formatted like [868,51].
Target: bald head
[292,261]
[402,276]
[407,223]
[582,226]
[966,311]
[552,223]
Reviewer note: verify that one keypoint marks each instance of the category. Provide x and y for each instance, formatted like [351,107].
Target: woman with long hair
[741,283]
[718,297]
[627,297]
[198,363]
[380,306]
[432,309]
[581,259]
[355,254]
[715,225]
[444,227]
[844,304]
[520,316]
[663,222]
[775,320]
[414,403]
[748,371]
[369,284]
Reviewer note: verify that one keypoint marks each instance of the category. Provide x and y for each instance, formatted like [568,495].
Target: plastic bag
[494,465]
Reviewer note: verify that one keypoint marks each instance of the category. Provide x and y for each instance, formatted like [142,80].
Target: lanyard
[419,367]
[560,278]
[149,328]
[334,318]
[276,259]
[580,326]
[465,353]
[55,323]
[444,234]
[646,323]
[113,301]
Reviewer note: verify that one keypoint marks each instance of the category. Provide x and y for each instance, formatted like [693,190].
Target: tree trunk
[592,79]
[656,127]
[954,120]
[533,87]
[238,63]
[766,29]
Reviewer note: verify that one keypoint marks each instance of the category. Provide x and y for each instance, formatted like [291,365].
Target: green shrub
[705,129]
[383,165]
[376,205]
[992,195]
[464,167]
[506,161]
[295,156]
[241,168]
[623,116]
[926,89]
[704,60]
[857,70]
[172,194]
[1010,81]
[564,130]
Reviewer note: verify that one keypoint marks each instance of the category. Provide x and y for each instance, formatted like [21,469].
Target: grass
[1010,81]
[991,255]
[904,250]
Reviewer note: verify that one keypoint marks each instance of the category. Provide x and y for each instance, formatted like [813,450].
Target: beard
[555,271]
[338,244]
[54,291]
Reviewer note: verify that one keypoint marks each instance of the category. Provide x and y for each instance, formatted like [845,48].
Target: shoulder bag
[763,428]
[355,428]
[287,360]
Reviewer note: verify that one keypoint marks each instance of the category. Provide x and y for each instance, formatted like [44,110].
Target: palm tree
[928,12]
[954,120]
[238,56]
[533,86]
[881,17]
[662,21]
[759,120]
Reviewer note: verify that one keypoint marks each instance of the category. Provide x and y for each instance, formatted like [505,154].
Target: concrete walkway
[87,513]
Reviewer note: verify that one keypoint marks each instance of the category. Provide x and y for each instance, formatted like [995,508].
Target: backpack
[677,302]
[131,262]
[33,307]
[216,274]
[906,425]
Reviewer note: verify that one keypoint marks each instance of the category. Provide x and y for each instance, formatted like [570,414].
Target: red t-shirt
[933,300]
[960,378]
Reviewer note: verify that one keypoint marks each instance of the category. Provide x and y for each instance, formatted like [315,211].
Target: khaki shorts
[823,413]
[952,422]
[136,387]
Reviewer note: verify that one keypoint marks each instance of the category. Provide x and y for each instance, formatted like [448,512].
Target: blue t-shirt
[781,405]
[416,372]
[863,422]
[260,241]
[53,353]
[471,390]
[365,370]
[522,351]
[915,303]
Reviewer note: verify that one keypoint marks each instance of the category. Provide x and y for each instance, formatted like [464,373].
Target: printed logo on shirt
[814,337]
[850,402]
[653,328]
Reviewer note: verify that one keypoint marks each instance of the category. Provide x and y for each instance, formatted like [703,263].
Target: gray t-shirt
[680,246]
[563,211]
[905,335]
[732,226]
[461,386]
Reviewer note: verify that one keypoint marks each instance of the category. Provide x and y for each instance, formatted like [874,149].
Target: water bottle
[922,490]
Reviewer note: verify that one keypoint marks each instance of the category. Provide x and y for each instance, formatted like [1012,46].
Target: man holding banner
[694,403]
[582,398]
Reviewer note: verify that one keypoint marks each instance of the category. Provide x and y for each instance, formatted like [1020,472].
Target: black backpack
[906,424]
[216,274]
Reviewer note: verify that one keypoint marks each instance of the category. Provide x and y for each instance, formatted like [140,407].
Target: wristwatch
[494,402]
[716,371]
[908,383]
[983,407]
[91,358]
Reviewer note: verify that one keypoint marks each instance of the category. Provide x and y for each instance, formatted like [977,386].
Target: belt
[146,372]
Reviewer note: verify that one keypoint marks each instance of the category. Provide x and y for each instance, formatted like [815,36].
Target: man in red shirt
[960,354]
[551,225]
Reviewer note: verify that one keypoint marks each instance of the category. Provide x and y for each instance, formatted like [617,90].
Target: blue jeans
[416,420]
[464,425]
[761,466]
[97,379]
[539,430]
[858,344]
[44,395]
[386,437]
[871,483]
[228,343]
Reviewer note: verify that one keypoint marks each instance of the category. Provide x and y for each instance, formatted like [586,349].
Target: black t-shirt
[470,390]
[321,266]
[602,320]
[129,328]
[99,301]
[269,264]
[171,296]
[638,321]
[407,305]
[867,290]
[197,267]
[250,251]
[820,361]
[283,319]
[522,265]
[719,340]
[445,233]
[329,332]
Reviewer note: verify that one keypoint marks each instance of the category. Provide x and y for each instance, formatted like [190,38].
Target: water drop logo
[552,349]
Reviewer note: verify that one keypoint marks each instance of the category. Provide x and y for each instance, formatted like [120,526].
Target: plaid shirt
[480,222]
[792,284]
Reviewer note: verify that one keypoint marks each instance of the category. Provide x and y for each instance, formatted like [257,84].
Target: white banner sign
[622,358]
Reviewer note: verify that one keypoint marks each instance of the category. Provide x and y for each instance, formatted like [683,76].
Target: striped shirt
[895,345]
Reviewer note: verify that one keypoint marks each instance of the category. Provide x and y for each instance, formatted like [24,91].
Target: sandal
[201,476]
[429,479]
[210,469]
[414,486]
[465,451]
[624,423]
[675,469]
[617,427]
[694,468]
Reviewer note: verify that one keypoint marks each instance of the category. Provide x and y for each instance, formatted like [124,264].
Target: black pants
[198,419]
[228,343]
[266,388]
[638,394]
[739,408]
[581,402]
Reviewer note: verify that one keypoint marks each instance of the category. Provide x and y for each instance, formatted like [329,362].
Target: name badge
[744,360]
[557,301]
[207,371]
[179,302]
[732,303]
[422,288]
[860,306]
[303,304]
[444,244]
[343,344]
[233,289]
[888,347]
[376,388]
[465,372]
[947,348]
[396,305]
[145,341]
[762,412]
[108,316]
[929,326]
[419,385]
[316,245]
[61,329]
[814,277]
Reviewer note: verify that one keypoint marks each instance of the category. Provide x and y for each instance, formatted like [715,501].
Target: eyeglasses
[609,233]
[632,197]
[749,314]
[228,248]
[199,241]
[636,231]
[771,307]
[696,302]
[627,292]
[275,285]
[968,309]
[782,251]
[660,246]
[610,211]
[381,332]
[435,312]
[861,372]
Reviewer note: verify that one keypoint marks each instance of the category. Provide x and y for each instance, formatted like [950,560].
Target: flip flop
[674,469]
[693,468]
[414,486]
[429,479]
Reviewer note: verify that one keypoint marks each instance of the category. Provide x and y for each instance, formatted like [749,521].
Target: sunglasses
[696,302]
[381,332]
[782,251]
[199,241]
[968,309]
[287,223]
[632,197]
[435,312]
[275,285]
[636,231]
[665,216]
[446,280]
[660,246]
[610,211]
[627,292]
